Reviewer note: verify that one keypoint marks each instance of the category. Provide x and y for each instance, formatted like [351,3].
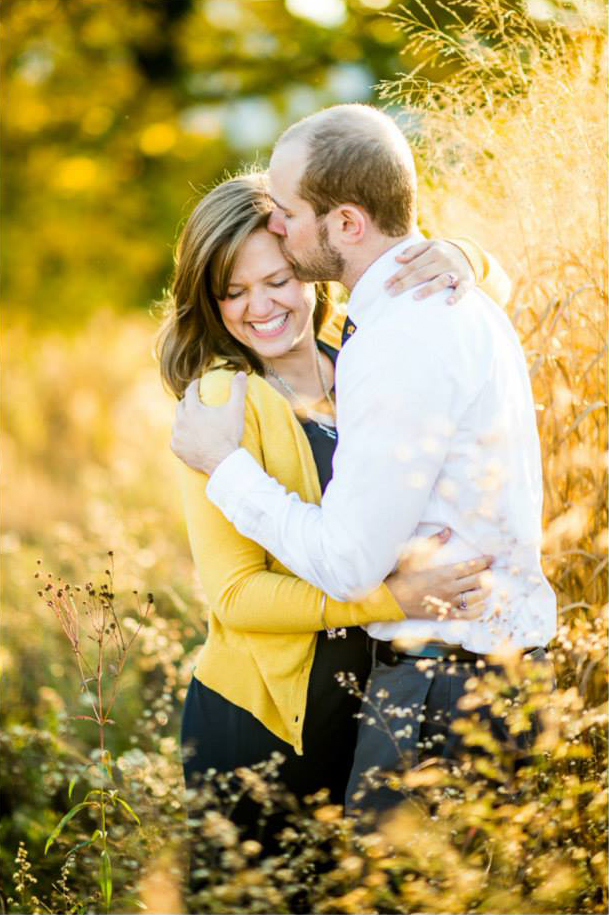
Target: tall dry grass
[512,147]
[511,150]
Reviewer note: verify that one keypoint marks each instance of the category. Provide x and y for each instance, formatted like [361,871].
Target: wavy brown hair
[192,334]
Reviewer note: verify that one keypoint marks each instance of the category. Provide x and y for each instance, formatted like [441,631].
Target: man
[436,428]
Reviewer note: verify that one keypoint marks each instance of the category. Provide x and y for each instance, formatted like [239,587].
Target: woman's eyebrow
[275,272]
[267,277]
[280,206]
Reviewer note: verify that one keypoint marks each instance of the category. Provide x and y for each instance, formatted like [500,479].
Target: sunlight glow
[376,4]
[324,12]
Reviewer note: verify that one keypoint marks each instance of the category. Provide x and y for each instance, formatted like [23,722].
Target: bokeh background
[116,116]
[117,111]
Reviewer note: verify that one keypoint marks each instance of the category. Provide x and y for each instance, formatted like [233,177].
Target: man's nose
[276,223]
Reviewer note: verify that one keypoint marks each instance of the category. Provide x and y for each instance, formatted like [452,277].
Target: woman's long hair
[192,334]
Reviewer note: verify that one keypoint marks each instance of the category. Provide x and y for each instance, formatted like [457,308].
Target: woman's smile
[272,327]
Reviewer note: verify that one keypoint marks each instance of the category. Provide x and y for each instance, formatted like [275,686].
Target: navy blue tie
[349,329]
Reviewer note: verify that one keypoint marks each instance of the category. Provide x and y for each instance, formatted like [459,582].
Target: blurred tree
[116,112]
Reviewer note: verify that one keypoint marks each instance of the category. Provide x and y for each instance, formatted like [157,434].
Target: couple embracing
[362,495]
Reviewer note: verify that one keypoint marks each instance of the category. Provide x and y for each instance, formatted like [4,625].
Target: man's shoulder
[409,338]
[407,320]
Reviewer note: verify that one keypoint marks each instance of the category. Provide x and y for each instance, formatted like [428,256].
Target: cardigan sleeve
[488,272]
[243,594]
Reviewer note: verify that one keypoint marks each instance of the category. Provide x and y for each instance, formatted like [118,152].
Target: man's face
[303,237]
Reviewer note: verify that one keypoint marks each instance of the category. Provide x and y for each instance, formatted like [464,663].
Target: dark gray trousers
[407,716]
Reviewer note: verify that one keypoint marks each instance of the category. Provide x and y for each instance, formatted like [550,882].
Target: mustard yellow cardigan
[263,621]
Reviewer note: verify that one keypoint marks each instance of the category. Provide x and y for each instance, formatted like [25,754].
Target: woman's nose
[259,303]
[276,223]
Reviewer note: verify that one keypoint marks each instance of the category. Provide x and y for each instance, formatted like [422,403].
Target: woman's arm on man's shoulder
[460,263]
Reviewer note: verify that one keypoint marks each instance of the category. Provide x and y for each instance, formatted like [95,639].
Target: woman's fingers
[408,277]
[471,583]
[459,291]
[420,552]
[412,253]
[439,264]
[437,284]
[441,537]
[415,259]
[443,282]
[475,605]
[471,566]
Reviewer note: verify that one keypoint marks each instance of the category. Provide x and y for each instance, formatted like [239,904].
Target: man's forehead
[291,150]
[286,166]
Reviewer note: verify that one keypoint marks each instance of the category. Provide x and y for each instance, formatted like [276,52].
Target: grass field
[511,152]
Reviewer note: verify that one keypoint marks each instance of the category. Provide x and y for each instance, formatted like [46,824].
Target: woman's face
[266,307]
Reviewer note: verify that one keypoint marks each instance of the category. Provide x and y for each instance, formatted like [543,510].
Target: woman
[266,677]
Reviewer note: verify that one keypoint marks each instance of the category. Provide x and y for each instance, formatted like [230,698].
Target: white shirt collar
[370,284]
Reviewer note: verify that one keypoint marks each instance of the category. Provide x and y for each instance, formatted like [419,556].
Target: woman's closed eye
[279,283]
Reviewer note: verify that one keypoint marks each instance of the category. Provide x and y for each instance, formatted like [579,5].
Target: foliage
[115,111]
[94,617]
[510,149]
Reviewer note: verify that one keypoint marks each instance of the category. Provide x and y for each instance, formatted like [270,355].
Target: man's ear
[347,224]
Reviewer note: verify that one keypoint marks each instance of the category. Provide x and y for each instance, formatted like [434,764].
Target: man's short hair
[357,154]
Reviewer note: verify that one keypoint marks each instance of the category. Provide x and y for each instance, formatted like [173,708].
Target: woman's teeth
[270,327]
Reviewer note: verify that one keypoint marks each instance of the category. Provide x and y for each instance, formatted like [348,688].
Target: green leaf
[64,820]
[96,835]
[73,781]
[128,809]
[105,878]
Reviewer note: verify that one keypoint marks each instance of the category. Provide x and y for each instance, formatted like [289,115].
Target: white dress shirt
[436,427]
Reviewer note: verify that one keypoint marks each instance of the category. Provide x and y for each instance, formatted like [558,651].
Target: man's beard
[323,263]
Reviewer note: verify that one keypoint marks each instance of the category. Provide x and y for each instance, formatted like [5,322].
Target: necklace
[329,430]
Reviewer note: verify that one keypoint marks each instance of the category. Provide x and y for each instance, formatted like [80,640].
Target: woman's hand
[449,592]
[439,264]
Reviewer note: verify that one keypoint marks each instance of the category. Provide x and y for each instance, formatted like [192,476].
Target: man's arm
[398,396]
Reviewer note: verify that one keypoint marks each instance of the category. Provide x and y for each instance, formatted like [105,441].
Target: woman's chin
[271,350]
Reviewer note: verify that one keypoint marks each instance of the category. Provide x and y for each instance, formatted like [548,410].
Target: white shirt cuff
[238,476]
